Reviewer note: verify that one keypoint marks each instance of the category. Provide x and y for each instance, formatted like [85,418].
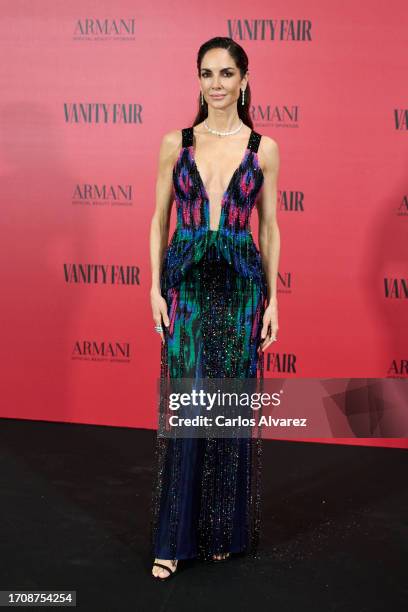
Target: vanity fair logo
[103,195]
[396,288]
[291,201]
[99,112]
[284,363]
[101,274]
[282,116]
[104,29]
[402,210]
[284,282]
[299,30]
[91,350]
[398,368]
[401,119]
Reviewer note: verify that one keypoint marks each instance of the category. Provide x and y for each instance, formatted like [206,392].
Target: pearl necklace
[217,133]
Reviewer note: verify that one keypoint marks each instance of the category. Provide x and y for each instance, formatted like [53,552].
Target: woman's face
[220,79]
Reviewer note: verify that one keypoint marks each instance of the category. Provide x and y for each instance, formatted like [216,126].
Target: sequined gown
[206,494]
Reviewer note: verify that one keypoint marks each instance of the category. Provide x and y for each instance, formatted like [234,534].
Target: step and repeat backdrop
[88,91]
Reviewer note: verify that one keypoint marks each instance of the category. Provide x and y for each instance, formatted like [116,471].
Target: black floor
[75,511]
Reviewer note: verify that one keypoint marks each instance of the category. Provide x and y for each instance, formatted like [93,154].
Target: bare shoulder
[269,153]
[269,145]
[170,146]
[172,138]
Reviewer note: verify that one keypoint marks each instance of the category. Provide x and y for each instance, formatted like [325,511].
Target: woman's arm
[269,236]
[159,228]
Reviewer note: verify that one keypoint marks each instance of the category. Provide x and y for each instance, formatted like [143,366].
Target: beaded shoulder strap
[187,137]
[254,140]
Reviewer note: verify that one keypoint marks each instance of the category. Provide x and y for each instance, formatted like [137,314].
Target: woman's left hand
[270,324]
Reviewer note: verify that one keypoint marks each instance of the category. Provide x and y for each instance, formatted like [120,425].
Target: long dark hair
[241,60]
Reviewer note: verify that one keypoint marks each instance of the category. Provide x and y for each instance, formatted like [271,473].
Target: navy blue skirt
[206,494]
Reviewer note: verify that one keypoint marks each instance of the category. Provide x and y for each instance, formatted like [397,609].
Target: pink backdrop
[89,89]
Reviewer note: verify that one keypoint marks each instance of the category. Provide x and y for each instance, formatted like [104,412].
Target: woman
[214,303]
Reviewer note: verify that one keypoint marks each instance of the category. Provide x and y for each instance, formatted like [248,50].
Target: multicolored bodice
[233,237]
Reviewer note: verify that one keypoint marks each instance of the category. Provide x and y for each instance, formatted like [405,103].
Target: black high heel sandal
[165,567]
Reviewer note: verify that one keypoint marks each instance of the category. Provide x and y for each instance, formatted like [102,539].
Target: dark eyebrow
[227,68]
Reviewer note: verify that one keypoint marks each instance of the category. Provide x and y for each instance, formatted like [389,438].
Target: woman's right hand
[159,310]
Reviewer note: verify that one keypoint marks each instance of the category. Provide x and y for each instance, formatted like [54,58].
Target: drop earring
[243,97]
[202,99]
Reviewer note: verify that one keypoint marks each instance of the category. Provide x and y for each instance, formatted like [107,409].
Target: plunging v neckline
[226,192]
